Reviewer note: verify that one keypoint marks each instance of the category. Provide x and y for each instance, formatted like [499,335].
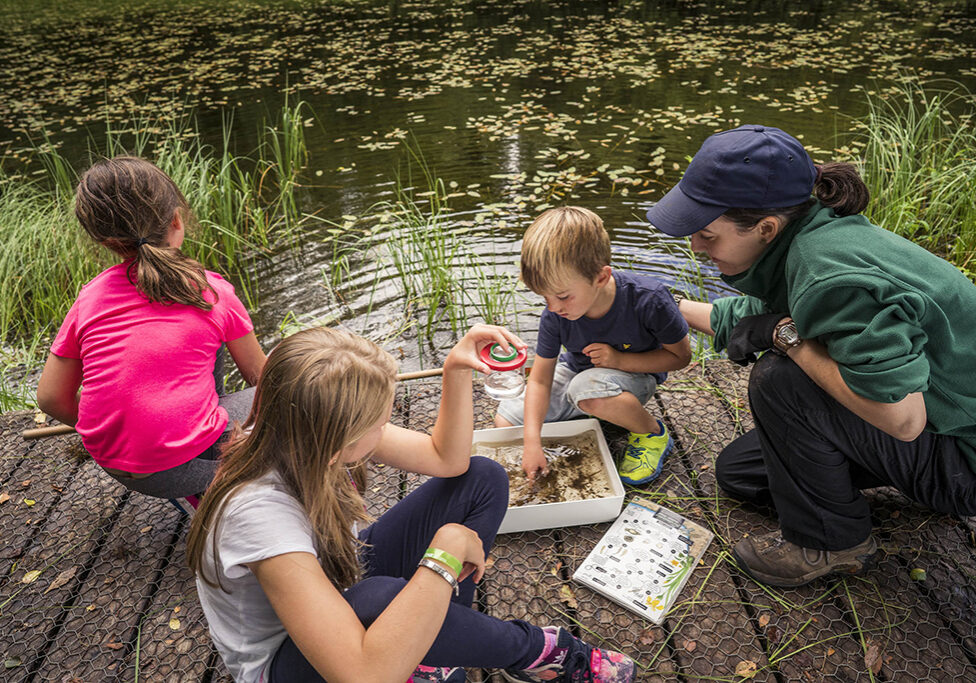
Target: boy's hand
[465,352]
[602,355]
[534,461]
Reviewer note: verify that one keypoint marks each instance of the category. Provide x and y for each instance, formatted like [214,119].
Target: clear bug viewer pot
[507,376]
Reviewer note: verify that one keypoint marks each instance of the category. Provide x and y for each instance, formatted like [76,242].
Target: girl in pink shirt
[141,340]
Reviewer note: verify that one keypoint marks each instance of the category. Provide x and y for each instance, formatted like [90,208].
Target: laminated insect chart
[645,558]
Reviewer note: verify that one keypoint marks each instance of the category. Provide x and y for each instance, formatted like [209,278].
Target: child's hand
[534,461]
[465,352]
[602,355]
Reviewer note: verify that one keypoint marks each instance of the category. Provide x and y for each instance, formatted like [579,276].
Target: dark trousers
[478,500]
[809,457]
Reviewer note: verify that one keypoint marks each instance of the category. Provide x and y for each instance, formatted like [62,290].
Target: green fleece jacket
[896,318]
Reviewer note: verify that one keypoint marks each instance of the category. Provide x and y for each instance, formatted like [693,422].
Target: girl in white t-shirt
[295,591]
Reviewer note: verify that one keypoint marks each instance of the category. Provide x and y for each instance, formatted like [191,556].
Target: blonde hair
[127,204]
[560,243]
[320,391]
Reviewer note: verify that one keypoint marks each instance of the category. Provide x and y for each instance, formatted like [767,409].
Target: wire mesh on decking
[94,585]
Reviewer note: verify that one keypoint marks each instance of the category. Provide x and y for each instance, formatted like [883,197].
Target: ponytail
[839,186]
[128,204]
[167,276]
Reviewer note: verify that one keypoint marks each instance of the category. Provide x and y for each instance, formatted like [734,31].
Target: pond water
[515,105]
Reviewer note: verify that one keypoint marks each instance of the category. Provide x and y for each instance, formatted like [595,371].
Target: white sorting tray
[569,513]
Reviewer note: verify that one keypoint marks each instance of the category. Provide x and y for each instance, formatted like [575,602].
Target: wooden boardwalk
[94,586]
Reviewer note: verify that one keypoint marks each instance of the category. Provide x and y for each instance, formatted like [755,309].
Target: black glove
[752,334]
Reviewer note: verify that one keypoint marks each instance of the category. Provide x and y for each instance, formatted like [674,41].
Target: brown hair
[127,204]
[838,186]
[320,391]
[561,242]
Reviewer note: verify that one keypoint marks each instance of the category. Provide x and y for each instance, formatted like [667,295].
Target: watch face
[788,334]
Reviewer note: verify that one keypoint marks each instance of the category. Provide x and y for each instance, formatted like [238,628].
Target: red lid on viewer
[494,357]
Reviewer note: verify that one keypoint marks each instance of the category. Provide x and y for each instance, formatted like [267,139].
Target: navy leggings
[477,499]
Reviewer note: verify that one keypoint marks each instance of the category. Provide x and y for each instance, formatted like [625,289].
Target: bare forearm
[536,406]
[64,411]
[659,360]
[903,420]
[697,314]
[454,428]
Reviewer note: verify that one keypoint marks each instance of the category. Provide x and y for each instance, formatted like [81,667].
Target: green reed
[920,166]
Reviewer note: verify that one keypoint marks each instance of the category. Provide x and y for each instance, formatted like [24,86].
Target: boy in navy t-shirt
[622,333]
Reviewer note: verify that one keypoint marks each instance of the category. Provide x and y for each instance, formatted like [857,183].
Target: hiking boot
[773,560]
[570,660]
[438,674]
[644,456]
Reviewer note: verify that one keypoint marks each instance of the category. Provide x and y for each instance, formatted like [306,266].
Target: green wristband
[445,557]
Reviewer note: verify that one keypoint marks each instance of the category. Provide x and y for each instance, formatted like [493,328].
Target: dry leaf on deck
[62,578]
[690,645]
[4,497]
[31,576]
[745,668]
[566,595]
[174,624]
[763,620]
[872,656]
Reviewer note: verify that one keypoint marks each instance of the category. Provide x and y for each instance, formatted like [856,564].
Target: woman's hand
[465,545]
[465,352]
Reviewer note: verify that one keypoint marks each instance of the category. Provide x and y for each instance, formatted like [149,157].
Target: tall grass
[920,166]
[244,204]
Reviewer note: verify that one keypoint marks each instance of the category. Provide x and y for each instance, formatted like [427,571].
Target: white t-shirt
[261,520]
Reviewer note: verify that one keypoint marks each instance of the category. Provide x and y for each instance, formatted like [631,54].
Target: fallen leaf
[4,497]
[29,502]
[830,651]
[745,668]
[690,645]
[872,656]
[31,576]
[917,574]
[566,595]
[145,529]
[24,484]
[763,620]
[649,637]
[40,418]
[174,624]
[62,578]
[114,645]
[176,610]
[12,663]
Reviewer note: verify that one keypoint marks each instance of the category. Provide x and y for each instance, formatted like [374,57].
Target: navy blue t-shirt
[643,316]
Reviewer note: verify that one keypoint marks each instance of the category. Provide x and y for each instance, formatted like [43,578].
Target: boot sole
[861,565]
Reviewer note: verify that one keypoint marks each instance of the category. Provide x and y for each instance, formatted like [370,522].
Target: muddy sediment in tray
[575,473]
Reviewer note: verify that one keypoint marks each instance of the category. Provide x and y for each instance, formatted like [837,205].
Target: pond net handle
[57,430]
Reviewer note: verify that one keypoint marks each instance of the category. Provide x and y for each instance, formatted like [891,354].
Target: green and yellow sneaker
[644,456]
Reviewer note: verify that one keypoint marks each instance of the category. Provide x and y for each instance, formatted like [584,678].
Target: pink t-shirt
[148,401]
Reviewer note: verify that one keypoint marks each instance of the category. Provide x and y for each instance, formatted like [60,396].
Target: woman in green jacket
[871,378]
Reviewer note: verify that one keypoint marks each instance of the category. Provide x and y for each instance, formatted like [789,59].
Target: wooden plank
[12,447]
[67,542]
[173,641]
[521,584]
[43,472]
[714,633]
[103,622]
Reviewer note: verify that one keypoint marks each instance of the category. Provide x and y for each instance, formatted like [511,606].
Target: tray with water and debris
[582,486]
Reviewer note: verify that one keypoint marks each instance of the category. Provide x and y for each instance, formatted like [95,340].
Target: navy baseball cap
[749,167]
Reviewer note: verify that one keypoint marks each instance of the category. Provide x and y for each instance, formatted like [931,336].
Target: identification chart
[645,558]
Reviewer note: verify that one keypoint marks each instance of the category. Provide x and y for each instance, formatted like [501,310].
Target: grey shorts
[193,476]
[569,388]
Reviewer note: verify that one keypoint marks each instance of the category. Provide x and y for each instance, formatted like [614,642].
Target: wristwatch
[785,336]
